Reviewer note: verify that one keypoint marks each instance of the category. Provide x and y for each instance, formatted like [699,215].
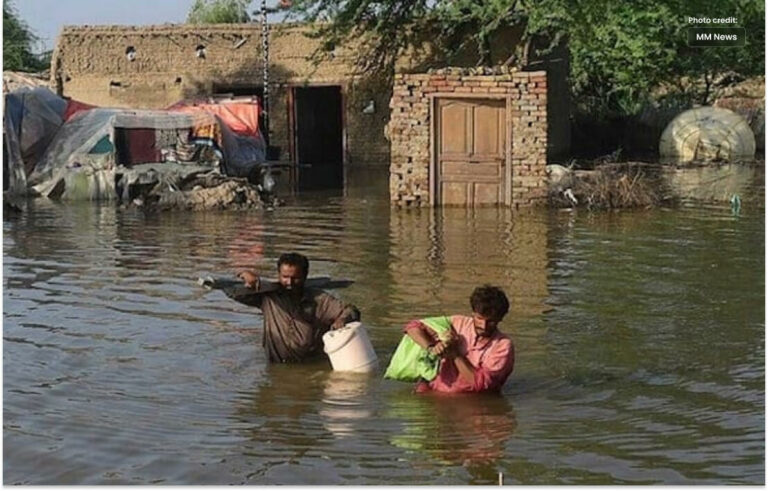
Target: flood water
[639,335]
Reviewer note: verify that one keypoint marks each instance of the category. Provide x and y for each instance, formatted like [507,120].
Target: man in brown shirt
[295,317]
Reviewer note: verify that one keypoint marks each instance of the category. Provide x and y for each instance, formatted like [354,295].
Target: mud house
[326,115]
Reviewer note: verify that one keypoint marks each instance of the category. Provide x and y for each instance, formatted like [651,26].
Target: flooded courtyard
[639,339]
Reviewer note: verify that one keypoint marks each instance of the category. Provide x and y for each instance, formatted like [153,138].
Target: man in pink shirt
[477,357]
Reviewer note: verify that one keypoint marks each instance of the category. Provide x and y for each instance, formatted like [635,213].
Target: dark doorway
[135,146]
[319,135]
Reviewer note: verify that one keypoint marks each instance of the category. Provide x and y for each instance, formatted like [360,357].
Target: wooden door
[470,139]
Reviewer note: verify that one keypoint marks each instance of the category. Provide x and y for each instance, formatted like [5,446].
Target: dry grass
[615,185]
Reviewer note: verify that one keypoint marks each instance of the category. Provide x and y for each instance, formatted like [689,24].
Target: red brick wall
[409,129]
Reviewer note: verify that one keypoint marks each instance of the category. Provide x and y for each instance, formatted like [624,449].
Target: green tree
[700,74]
[626,55]
[17,43]
[384,29]
[623,54]
[219,12]
[380,30]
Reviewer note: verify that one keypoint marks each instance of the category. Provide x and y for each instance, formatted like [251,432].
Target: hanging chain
[265,52]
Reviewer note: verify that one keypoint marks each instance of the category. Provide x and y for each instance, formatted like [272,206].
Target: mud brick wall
[365,129]
[409,129]
[89,64]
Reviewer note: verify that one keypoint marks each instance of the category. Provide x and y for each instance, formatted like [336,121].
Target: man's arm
[426,338]
[244,295]
[333,312]
[248,293]
[492,372]
[465,368]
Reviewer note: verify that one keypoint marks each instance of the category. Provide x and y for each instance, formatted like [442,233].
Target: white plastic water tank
[707,133]
[350,349]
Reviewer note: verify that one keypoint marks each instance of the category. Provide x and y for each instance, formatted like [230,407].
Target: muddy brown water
[640,342]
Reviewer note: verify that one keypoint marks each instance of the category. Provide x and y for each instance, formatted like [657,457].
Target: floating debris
[609,186]
[736,204]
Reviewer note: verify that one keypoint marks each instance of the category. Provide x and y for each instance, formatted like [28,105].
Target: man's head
[489,306]
[292,270]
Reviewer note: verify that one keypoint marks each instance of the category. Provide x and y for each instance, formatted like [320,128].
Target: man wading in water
[295,317]
[476,357]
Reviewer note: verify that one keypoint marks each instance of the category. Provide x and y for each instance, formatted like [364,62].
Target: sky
[46,17]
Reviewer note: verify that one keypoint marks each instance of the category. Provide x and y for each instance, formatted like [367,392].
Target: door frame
[292,108]
[433,177]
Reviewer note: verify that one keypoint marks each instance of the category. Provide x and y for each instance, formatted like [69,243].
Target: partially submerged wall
[409,130]
[90,64]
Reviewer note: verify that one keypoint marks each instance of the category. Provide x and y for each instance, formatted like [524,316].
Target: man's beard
[482,333]
[294,291]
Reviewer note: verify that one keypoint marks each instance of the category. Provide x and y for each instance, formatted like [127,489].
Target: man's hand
[451,345]
[338,324]
[439,348]
[445,346]
[452,351]
[250,279]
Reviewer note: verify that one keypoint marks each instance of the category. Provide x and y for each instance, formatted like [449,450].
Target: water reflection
[246,250]
[458,249]
[346,403]
[718,182]
[296,400]
[286,391]
[467,430]
[647,367]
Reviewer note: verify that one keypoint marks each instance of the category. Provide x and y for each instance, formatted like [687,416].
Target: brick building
[460,139]
[326,115]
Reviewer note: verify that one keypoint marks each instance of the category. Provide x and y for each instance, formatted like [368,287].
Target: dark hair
[489,301]
[294,259]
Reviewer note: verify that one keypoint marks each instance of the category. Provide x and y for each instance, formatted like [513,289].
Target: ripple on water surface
[639,340]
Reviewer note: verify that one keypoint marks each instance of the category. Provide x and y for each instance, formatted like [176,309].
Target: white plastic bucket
[350,349]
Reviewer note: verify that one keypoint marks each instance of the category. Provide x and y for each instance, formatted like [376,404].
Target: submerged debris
[610,186]
[203,192]
[193,155]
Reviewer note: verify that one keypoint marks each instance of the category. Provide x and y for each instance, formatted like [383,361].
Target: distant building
[319,114]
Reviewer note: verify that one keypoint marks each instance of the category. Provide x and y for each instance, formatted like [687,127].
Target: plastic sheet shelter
[85,146]
[54,145]
[243,119]
[90,152]
[240,117]
[31,120]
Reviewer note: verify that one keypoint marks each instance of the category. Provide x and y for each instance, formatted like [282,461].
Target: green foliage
[627,55]
[618,50]
[219,12]
[472,23]
[45,58]
[624,55]
[17,44]
[700,74]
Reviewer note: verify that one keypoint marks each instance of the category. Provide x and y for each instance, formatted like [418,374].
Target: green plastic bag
[411,362]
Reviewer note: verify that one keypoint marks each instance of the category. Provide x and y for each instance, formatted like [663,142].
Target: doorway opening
[319,137]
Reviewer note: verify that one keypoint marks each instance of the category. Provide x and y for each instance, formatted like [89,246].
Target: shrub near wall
[409,127]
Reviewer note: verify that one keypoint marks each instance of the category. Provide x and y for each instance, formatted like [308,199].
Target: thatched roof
[16,80]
